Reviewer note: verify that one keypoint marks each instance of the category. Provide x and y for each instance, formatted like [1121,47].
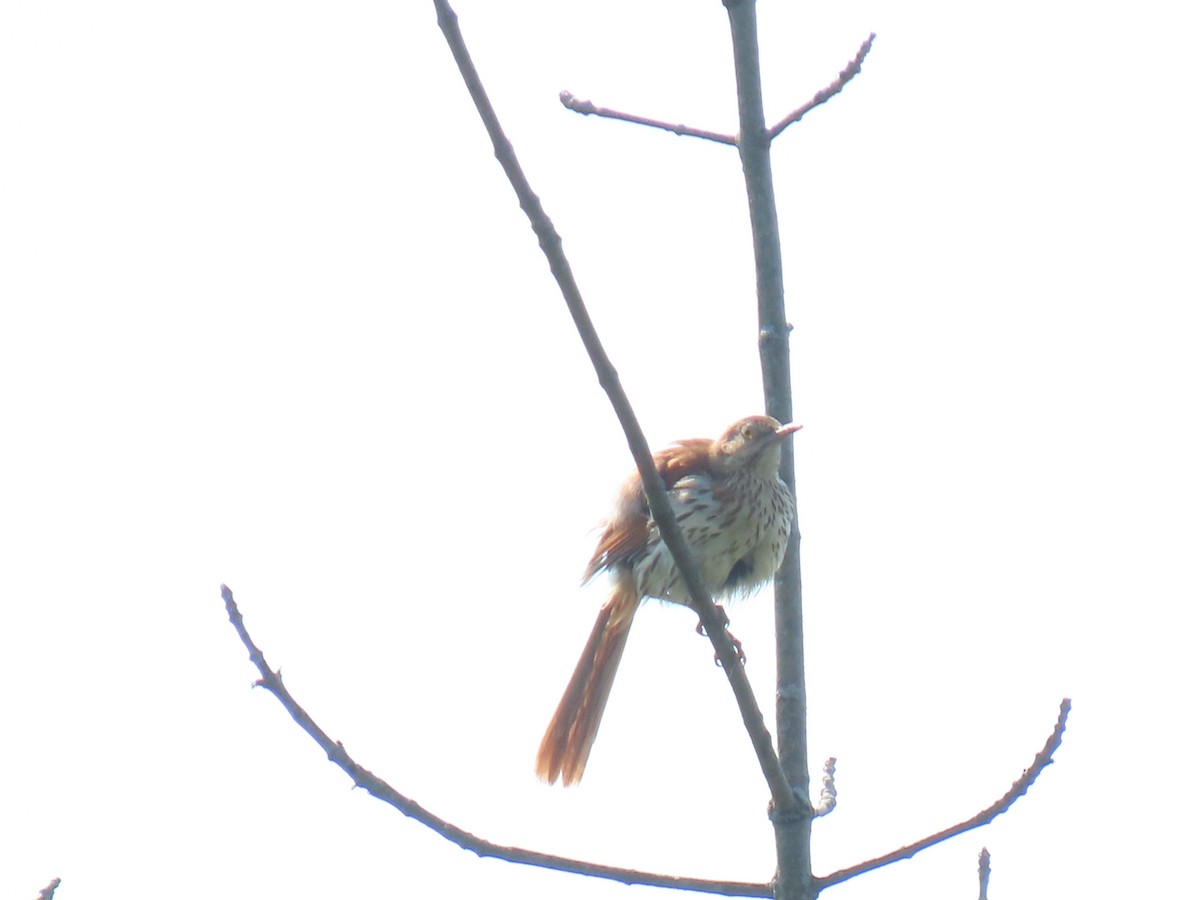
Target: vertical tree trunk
[793,825]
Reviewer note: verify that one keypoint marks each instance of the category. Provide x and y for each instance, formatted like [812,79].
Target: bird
[736,515]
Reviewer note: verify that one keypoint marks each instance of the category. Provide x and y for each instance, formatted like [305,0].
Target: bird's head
[751,444]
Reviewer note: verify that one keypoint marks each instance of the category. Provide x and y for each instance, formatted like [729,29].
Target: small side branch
[588,108]
[828,789]
[985,872]
[381,790]
[852,68]
[1020,786]
[47,893]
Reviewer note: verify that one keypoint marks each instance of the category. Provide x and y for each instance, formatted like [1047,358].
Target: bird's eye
[747,431]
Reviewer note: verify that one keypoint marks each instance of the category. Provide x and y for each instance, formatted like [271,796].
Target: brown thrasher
[736,515]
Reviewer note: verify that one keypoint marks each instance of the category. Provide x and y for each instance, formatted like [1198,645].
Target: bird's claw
[737,648]
[737,645]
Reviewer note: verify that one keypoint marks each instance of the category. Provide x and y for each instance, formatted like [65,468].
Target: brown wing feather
[685,458]
[627,531]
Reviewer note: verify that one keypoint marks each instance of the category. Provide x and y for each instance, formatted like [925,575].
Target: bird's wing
[627,532]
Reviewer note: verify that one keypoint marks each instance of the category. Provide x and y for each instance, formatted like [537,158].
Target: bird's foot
[737,645]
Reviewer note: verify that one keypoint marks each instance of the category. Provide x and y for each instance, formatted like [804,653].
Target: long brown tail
[572,730]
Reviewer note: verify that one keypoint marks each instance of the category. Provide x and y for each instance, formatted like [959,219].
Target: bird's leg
[737,645]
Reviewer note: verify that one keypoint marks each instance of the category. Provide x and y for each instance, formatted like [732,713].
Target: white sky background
[270,316]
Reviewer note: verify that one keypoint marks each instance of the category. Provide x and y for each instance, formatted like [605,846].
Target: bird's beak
[784,430]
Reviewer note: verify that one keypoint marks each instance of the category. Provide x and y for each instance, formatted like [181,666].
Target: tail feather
[572,730]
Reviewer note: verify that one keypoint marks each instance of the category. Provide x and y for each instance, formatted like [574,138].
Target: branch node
[801,811]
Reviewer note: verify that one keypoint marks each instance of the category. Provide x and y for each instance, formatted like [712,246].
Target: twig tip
[573,103]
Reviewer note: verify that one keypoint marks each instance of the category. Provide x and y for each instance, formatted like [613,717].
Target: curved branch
[656,495]
[588,108]
[822,96]
[1043,758]
[381,790]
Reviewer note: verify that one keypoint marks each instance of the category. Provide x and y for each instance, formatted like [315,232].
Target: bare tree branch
[660,507]
[1043,758]
[47,893]
[985,872]
[852,68]
[828,789]
[381,790]
[588,108]
[792,822]
[792,811]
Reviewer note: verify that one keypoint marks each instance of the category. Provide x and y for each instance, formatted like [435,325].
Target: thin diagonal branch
[588,108]
[852,68]
[47,893]
[660,507]
[1043,758]
[381,790]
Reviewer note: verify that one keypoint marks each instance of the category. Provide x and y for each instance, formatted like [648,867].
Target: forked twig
[588,108]
[381,790]
[1043,758]
[822,96]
